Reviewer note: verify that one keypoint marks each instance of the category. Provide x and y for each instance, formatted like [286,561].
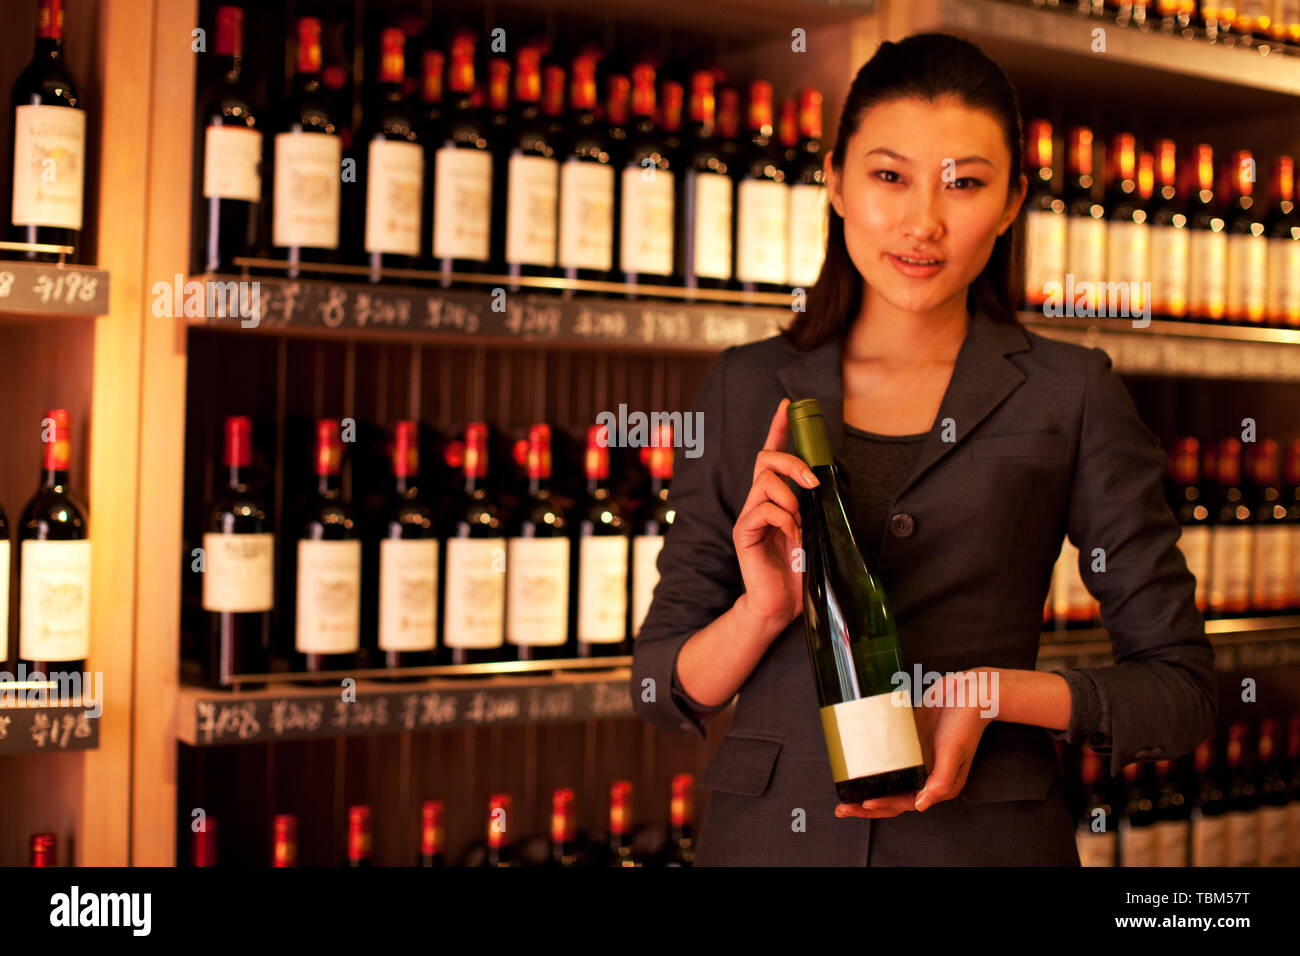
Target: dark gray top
[876,466]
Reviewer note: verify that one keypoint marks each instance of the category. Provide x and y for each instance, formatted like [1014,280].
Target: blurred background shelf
[39,290]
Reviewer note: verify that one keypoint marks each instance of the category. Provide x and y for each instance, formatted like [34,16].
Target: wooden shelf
[1238,642]
[34,289]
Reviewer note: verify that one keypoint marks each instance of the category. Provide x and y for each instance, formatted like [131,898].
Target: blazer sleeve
[1158,700]
[699,576]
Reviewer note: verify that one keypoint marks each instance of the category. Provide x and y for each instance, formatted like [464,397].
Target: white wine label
[1171,842]
[871,735]
[476,593]
[329,597]
[713,212]
[462,203]
[537,591]
[1137,845]
[1271,581]
[1207,273]
[1169,254]
[646,227]
[1247,286]
[1085,253]
[645,575]
[1128,248]
[239,572]
[306,190]
[1194,542]
[762,230]
[808,224]
[49,166]
[1283,296]
[4,595]
[1232,553]
[408,594]
[531,192]
[54,601]
[394,196]
[602,589]
[1096,849]
[1071,599]
[232,163]
[1273,836]
[586,216]
[1209,840]
[1044,253]
[1243,838]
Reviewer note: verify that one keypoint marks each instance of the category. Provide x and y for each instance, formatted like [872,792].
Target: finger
[784,463]
[890,806]
[941,784]
[779,430]
[770,487]
[751,526]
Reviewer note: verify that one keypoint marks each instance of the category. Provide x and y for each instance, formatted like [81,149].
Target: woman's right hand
[768,531]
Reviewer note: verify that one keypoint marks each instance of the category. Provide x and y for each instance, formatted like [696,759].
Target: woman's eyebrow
[903,159]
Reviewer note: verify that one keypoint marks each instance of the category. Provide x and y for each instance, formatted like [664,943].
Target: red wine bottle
[1187,500]
[537,563]
[681,840]
[1085,227]
[1243,799]
[645,237]
[1272,795]
[498,831]
[1137,834]
[1271,563]
[808,198]
[762,202]
[1128,241]
[329,567]
[1209,813]
[431,834]
[239,568]
[600,559]
[1172,809]
[621,849]
[475,560]
[284,848]
[1207,263]
[653,519]
[49,147]
[531,179]
[53,567]
[586,204]
[1283,309]
[308,164]
[1246,297]
[359,843]
[44,849]
[229,158]
[1096,834]
[565,851]
[1169,237]
[1292,467]
[203,843]
[408,564]
[1233,539]
[704,207]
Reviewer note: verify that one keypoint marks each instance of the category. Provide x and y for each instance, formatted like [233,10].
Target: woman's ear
[833,186]
[1015,198]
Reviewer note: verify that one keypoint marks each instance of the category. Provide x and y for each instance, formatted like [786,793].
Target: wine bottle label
[646,228]
[232,163]
[1247,286]
[329,597]
[1273,836]
[408,594]
[54,601]
[49,166]
[645,575]
[1271,582]
[4,595]
[239,572]
[1072,601]
[871,735]
[1194,543]
[1243,838]
[1128,249]
[602,589]
[394,196]
[808,224]
[1171,842]
[586,216]
[1231,554]
[1209,840]
[1096,849]
[1137,845]
[762,210]
[1207,273]
[1044,253]
[307,176]
[713,212]
[476,593]
[531,194]
[1283,298]
[1169,257]
[537,591]
[1085,255]
[462,203]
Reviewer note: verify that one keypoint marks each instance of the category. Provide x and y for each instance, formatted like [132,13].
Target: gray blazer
[1048,441]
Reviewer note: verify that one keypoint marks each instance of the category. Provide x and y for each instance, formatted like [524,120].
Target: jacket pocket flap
[742,765]
[1012,771]
[1026,445]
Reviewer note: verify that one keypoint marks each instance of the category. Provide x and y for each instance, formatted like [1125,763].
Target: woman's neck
[883,332]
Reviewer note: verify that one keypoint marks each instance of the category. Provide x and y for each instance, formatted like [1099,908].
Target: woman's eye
[887,175]
[970,182]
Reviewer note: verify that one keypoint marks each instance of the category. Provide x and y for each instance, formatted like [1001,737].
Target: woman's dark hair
[926,66]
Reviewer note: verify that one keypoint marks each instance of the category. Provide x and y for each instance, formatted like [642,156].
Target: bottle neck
[329,485]
[49,48]
[54,479]
[236,479]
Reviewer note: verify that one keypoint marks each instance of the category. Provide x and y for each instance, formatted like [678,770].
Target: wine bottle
[1246,294]
[871,735]
[327,632]
[1271,581]
[1207,268]
[1137,834]
[1283,298]
[1209,823]
[284,846]
[1293,789]
[44,849]
[564,845]
[1095,833]
[1169,237]
[762,202]
[704,207]
[1085,227]
[531,179]
[203,842]
[49,148]
[1243,800]
[359,842]
[600,559]
[239,568]
[586,229]
[1171,826]
[1293,520]
[53,568]
[1187,500]
[537,563]
[230,154]
[809,201]
[1127,232]
[431,834]
[645,238]
[4,586]
[1234,536]
[475,559]
[1044,220]
[680,850]
[653,519]
[408,564]
[1271,787]
[621,850]
[498,831]
[308,164]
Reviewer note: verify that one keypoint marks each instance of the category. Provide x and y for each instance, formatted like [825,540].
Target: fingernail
[808,478]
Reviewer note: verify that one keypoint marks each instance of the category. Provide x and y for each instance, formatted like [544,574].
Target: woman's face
[923,193]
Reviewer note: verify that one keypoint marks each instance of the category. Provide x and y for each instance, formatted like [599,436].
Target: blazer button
[902,525]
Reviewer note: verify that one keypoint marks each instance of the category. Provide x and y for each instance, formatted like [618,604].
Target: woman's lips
[915,270]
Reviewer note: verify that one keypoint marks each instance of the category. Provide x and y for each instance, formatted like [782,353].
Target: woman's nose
[923,221]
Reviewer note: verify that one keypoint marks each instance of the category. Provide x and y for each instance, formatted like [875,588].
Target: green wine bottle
[852,642]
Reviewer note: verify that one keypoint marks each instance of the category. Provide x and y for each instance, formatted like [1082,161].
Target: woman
[972,446]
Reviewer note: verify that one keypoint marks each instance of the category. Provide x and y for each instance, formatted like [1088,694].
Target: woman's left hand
[949,736]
